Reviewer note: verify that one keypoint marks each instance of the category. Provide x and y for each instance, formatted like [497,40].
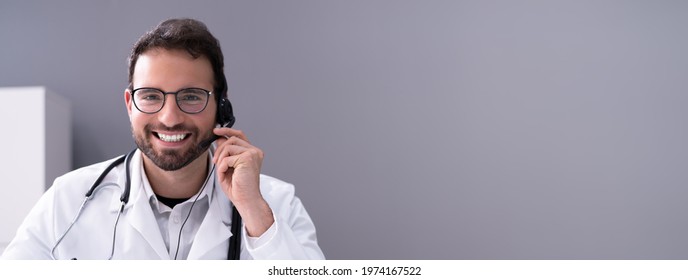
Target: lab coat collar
[146,187]
[215,228]
[139,211]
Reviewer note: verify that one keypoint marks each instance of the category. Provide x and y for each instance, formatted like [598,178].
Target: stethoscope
[234,241]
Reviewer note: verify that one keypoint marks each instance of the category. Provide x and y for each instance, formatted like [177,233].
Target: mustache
[151,127]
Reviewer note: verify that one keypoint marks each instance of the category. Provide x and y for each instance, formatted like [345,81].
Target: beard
[169,159]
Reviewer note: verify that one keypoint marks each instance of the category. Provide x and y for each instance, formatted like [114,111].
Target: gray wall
[419,129]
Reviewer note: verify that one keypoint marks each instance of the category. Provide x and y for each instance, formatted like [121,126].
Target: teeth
[171,138]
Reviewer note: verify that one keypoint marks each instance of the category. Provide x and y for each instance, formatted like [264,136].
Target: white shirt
[171,220]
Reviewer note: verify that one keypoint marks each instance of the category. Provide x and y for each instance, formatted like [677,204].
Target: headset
[225,117]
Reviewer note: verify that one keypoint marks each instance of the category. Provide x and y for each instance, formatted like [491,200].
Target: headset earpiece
[225,114]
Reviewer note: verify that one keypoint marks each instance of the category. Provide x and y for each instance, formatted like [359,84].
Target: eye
[148,95]
[192,95]
[189,97]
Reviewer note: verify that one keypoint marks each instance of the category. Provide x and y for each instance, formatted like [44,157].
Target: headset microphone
[206,143]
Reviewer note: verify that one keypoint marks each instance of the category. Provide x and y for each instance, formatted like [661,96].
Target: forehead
[171,70]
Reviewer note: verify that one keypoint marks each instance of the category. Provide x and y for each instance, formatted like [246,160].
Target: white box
[37,148]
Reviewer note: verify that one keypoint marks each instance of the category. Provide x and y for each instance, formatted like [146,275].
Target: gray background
[418,129]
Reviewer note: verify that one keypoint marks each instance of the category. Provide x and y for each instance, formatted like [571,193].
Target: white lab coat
[138,236]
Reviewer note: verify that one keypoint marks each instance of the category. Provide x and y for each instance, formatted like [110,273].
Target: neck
[181,183]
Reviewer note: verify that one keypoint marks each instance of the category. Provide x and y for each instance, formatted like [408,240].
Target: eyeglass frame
[164,94]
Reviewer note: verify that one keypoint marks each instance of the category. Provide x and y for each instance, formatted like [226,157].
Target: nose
[170,114]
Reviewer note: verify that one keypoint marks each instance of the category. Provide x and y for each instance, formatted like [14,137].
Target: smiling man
[176,196]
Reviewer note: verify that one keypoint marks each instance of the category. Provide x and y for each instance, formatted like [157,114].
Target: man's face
[170,137]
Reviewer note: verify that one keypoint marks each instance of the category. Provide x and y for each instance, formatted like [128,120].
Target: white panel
[23,167]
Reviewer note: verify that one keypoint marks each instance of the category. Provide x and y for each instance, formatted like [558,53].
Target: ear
[128,101]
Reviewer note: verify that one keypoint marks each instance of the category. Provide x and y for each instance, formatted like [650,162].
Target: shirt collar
[207,191]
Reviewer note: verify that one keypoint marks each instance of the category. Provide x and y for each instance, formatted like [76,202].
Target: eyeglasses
[189,100]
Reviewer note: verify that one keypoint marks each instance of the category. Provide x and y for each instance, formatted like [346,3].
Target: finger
[224,176]
[228,150]
[229,132]
[224,165]
[232,141]
[235,140]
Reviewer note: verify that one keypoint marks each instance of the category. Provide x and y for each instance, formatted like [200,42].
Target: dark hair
[183,34]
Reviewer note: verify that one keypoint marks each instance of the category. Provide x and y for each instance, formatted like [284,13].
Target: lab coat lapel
[141,215]
[215,228]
